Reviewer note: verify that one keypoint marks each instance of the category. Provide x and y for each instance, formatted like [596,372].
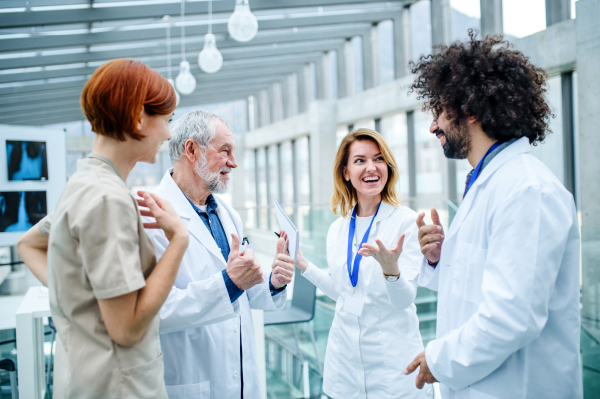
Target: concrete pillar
[288,93]
[349,63]
[320,76]
[588,87]
[304,88]
[327,78]
[371,58]
[402,43]
[252,112]
[238,178]
[557,11]
[264,108]
[276,102]
[441,33]
[342,70]
[491,17]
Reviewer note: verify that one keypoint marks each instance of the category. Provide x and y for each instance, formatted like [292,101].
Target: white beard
[212,180]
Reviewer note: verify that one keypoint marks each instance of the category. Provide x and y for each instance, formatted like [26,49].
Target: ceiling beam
[154,11]
[193,44]
[56,41]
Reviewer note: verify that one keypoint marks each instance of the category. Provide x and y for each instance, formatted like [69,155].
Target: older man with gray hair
[206,328]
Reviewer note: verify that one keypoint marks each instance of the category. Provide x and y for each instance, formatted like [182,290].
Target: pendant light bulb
[185,83]
[177,96]
[210,58]
[242,24]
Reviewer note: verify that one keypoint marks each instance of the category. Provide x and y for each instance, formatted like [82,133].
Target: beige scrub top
[98,249]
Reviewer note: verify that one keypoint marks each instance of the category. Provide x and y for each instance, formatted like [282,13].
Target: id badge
[353,304]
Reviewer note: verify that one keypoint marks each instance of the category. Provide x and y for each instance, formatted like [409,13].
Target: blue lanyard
[478,168]
[353,274]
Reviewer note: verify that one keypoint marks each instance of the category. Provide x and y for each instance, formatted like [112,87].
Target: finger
[151,203]
[420,221]
[430,247]
[382,247]
[419,381]
[371,248]
[400,243]
[430,229]
[286,259]
[429,238]
[282,271]
[412,366]
[153,225]
[145,212]
[435,218]
[235,247]
[365,253]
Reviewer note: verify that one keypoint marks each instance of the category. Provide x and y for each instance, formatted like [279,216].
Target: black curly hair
[487,79]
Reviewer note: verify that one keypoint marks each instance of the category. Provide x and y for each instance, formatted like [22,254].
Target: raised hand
[387,258]
[166,217]
[283,264]
[431,237]
[424,375]
[243,270]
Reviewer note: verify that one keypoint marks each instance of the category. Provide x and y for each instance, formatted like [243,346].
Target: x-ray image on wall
[26,160]
[20,210]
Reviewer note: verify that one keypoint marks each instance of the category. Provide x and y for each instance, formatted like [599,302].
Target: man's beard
[212,180]
[458,142]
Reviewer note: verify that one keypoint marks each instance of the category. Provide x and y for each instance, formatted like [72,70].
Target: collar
[487,159]
[103,159]
[211,204]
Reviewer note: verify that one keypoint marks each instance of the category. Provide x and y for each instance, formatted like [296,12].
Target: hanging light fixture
[185,83]
[210,58]
[242,24]
[167,19]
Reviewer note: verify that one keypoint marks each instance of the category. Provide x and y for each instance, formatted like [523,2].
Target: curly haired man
[507,271]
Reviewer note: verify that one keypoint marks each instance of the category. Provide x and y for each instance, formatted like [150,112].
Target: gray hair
[197,125]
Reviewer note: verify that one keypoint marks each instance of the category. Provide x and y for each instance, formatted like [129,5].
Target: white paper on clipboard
[290,229]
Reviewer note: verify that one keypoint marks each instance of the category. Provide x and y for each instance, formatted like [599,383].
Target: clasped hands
[245,271]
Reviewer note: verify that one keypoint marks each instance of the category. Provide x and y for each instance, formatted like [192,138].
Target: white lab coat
[366,356]
[508,287]
[199,326]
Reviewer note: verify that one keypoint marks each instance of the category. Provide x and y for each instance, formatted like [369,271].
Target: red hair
[118,91]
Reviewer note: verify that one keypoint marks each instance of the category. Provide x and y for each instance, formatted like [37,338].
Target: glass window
[523,18]
[250,189]
[551,151]
[273,182]
[386,51]
[303,170]
[358,65]
[394,130]
[287,173]
[340,133]
[261,179]
[420,27]
[465,14]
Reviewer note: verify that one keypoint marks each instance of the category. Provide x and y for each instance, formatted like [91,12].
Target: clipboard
[286,224]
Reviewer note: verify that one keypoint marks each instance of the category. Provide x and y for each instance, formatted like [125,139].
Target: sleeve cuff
[275,291]
[232,289]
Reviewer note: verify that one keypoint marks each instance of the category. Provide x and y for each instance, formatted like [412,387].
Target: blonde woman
[374,259]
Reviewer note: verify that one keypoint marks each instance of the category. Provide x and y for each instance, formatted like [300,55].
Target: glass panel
[287,173]
[340,133]
[250,190]
[386,51]
[420,28]
[523,18]
[313,79]
[303,170]
[358,65]
[551,152]
[394,129]
[261,177]
[273,183]
[465,14]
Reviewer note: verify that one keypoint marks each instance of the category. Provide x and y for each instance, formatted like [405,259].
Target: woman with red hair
[106,287]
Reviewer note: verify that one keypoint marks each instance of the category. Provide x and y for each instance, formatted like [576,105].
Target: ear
[141,119]
[471,119]
[191,150]
[346,175]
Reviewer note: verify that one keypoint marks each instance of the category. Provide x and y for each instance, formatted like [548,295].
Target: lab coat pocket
[200,390]
[144,381]
[468,266]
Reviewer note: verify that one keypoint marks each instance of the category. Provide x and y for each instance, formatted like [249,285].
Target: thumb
[412,366]
[435,218]
[280,246]
[400,243]
[235,247]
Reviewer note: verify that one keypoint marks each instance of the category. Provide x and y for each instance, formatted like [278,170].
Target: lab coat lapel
[518,147]
[385,210]
[226,221]
[195,225]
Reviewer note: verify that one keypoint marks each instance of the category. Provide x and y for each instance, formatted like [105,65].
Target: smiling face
[156,130]
[456,141]
[214,165]
[366,168]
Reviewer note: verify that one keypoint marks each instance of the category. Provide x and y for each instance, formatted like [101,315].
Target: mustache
[225,169]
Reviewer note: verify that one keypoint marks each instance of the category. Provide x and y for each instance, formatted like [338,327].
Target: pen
[277,234]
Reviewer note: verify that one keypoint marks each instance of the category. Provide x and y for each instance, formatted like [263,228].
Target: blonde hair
[344,194]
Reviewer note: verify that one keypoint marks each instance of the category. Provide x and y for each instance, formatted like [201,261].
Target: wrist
[392,270]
